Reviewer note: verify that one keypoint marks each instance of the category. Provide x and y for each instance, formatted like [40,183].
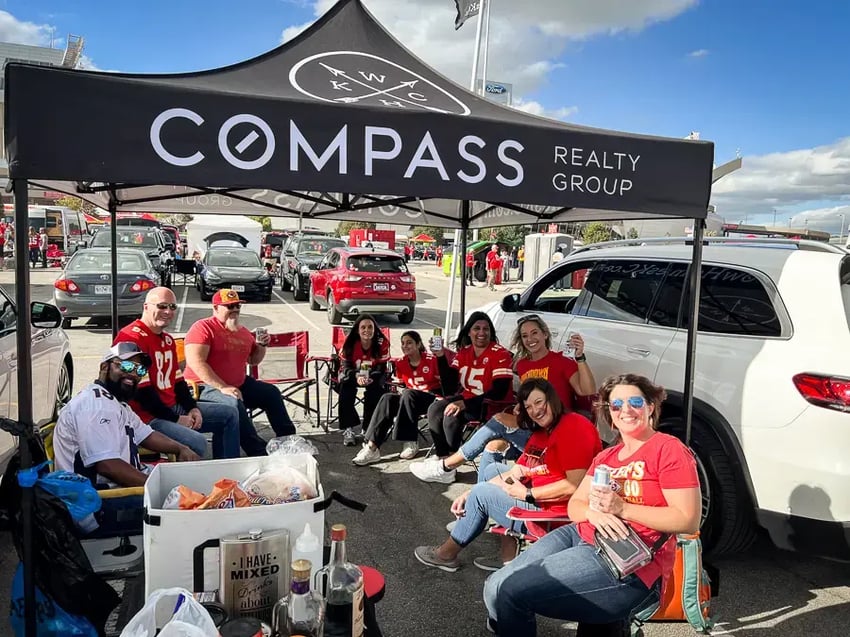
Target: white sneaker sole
[442,567]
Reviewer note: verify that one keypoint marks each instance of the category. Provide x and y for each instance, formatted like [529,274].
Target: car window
[376,263]
[622,290]
[734,301]
[142,239]
[233,259]
[333,260]
[558,290]
[101,262]
[8,316]
[317,247]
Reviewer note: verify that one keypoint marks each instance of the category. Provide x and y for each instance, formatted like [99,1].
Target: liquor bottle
[344,596]
[302,612]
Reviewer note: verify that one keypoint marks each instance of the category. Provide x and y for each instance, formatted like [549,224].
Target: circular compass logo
[352,77]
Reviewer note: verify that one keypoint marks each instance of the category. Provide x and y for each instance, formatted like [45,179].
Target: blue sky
[768,78]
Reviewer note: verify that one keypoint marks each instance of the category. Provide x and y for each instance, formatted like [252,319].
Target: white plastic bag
[190,620]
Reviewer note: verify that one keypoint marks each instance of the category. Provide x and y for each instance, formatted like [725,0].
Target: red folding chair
[537,524]
[285,366]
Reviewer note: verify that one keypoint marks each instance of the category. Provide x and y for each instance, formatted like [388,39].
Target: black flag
[465,10]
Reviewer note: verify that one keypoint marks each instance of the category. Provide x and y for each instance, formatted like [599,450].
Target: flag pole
[447,333]
[485,16]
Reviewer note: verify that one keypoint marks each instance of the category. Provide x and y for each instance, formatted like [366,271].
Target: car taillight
[141,285]
[408,279]
[351,278]
[824,391]
[66,285]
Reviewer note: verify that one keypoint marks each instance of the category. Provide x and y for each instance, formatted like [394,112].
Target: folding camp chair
[186,268]
[285,366]
[537,524]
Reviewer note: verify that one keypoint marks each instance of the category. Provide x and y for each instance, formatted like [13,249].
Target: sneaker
[367,455]
[451,525]
[409,450]
[348,438]
[493,563]
[358,433]
[432,471]
[428,556]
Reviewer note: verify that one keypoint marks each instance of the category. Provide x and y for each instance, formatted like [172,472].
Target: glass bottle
[302,612]
[344,596]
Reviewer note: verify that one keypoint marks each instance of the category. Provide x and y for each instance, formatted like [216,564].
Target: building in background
[69,57]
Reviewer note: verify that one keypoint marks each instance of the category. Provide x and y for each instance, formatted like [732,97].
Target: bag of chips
[226,494]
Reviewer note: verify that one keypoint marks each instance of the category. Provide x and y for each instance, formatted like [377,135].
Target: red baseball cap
[226,296]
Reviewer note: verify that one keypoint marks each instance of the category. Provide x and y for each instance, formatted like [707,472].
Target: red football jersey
[164,371]
[358,356]
[477,374]
[424,377]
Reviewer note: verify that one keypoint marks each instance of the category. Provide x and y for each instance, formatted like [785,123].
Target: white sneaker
[409,450]
[431,470]
[367,455]
[348,438]
[451,525]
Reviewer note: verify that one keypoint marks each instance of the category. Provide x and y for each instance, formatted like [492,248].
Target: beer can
[260,332]
[602,476]
[437,340]
[365,368]
[569,350]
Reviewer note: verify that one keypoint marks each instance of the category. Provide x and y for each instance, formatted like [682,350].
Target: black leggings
[404,410]
[446,431]
[348,417]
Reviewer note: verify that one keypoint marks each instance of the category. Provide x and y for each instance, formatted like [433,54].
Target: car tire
[66,323]
[314,305]
[205,296]
[297,294]
[64,384]
[334,315]
[406,317]
[284,284]
[727,523]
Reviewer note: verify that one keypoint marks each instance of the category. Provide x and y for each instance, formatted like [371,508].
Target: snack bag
[183,498]
[226,494]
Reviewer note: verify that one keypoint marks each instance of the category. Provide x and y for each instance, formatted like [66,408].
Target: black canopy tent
[309,130]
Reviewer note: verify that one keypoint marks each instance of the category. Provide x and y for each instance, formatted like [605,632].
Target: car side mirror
[44,315]
[510,303]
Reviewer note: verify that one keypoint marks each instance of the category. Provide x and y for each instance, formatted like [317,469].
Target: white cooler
[170,536]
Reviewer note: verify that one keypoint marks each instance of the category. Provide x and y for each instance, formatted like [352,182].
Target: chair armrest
[121,492]
[318,359]
[527,515]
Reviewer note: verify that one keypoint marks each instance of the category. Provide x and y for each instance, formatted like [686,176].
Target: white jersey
[96,426]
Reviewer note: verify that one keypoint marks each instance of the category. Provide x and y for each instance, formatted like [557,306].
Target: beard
[119,390]
[231,323]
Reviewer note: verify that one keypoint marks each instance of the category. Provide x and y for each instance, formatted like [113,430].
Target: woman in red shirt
[363,363]
[556,457]
[654,490]
[417,371]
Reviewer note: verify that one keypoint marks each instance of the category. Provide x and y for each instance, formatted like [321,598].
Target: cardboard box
[170,536]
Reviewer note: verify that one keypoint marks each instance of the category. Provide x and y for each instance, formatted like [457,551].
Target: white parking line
[422,320]
[179,323]
[287,303]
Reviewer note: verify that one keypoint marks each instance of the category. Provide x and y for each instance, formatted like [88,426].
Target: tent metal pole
[113,258]
[24,343]
[693,325]
[464,228]
[447,332]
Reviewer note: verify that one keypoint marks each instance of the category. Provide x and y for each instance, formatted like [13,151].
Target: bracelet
[581,359]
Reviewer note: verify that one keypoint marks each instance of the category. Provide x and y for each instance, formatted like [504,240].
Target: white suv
[771,427]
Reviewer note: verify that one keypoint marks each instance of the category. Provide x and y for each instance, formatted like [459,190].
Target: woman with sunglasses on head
[561,446]
[417,371]
[480,371]
[363,363]
[535,358]
[654,492]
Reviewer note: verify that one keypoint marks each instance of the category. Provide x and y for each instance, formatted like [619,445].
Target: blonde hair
[516,338]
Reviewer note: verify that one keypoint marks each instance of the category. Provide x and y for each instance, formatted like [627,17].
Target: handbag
[627,555]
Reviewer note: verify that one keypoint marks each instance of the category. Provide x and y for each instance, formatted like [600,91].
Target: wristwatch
[529,496]
[581,359]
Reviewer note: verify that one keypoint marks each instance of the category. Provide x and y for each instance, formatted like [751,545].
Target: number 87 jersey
[477,374]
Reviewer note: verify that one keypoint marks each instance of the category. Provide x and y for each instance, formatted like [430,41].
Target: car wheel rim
[705,490]
[63,388]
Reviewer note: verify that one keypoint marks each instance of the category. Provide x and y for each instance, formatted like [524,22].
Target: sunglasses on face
[233,307]
[128,367]
[166,306]
[635,402]
[526,318]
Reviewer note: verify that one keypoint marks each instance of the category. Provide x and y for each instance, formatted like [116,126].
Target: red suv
[351,281]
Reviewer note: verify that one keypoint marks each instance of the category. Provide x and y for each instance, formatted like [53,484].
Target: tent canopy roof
[313,126]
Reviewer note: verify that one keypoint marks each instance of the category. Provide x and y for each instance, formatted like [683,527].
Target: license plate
[103,289]
[381,287]
[237,288]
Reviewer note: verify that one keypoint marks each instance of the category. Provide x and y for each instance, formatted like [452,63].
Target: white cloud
[19,32]
[811,182]
[536,108]
[699,53]
[526,38]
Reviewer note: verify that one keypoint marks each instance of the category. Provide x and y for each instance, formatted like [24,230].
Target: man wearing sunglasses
[218,350]
[163,399]
[97,434]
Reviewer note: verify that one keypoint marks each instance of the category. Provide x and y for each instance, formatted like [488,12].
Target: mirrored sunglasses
[166,306]
[526,318]
[635,402]
[128,367]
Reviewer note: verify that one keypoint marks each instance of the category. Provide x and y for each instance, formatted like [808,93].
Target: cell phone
[625,549]
[509,480]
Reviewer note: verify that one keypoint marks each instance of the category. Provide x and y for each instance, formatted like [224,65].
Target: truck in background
[66,228]
[365,238]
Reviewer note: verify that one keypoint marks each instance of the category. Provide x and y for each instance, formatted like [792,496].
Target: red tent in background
[144,216]
[422,238]
[92,220]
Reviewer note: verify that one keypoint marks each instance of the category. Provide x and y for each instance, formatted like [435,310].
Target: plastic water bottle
[305,548]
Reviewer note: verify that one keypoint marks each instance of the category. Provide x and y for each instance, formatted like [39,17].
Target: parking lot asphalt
[763,593]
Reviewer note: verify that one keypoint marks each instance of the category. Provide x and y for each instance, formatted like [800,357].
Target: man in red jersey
[163,400]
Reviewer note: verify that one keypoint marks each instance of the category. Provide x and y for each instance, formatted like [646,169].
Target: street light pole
[774,217]
[841,232]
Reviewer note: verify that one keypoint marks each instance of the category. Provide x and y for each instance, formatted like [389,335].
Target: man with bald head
[163,399]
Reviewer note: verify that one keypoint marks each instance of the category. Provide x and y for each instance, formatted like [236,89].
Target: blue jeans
[487,501]
[249,439]
[492,430]
[560,576]
[222,421]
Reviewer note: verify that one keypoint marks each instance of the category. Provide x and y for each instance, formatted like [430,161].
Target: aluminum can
[602,476]
[437,340]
